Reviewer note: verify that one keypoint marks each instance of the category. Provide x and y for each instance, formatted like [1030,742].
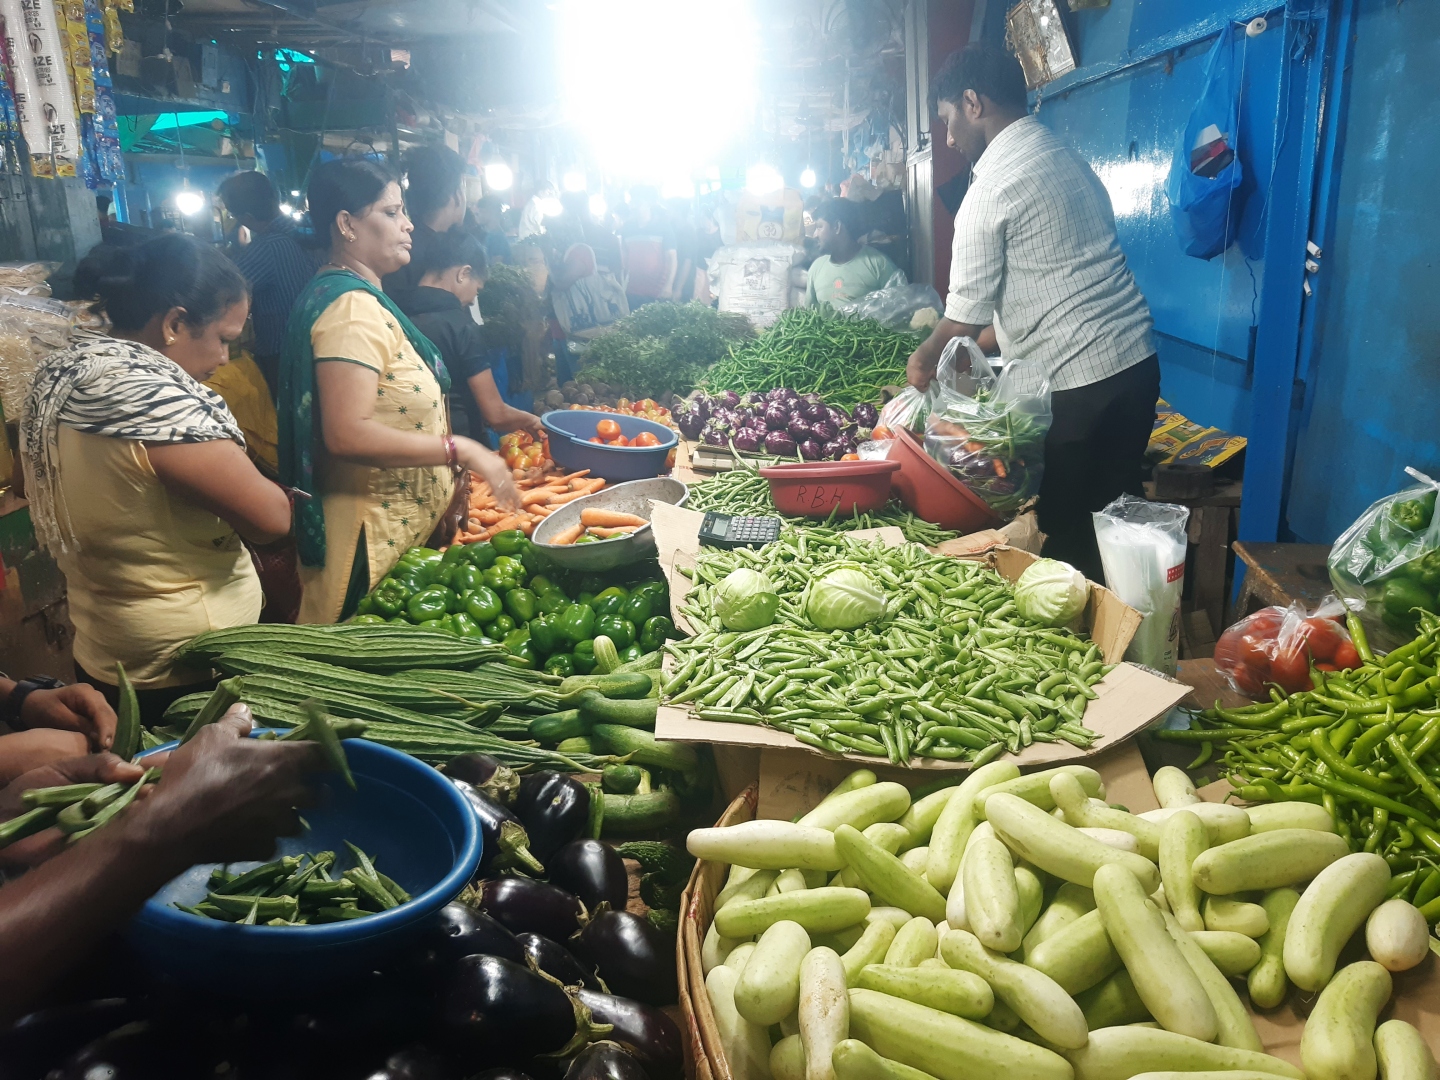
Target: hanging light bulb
[499,176]
[807,178]
[575,181]
[189,202]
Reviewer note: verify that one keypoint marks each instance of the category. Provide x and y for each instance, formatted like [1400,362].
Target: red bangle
[452,456]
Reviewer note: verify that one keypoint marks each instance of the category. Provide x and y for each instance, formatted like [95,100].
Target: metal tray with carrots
[608,529]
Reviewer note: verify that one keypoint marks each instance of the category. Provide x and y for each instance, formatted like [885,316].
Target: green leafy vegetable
[664,348]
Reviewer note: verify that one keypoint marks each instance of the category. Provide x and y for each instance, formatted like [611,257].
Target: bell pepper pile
[493,591]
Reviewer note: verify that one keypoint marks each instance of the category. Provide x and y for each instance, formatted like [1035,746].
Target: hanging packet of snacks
[9,114]
[48,118]
[75,38]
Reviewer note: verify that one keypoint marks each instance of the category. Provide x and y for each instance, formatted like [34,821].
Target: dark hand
[94,769]
[77,707]
[920,369]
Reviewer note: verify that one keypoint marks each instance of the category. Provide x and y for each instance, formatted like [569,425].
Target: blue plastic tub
[406,816]
[571,429]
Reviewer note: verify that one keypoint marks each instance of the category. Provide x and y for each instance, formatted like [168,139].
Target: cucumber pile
[1018,925]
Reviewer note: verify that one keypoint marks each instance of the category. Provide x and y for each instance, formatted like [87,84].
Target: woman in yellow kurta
[136,473]
[362,403]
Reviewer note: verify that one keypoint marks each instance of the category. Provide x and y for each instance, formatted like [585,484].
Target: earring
[350,238]
[169,340]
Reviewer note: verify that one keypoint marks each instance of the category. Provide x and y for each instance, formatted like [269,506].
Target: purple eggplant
[554,808]
[799,429]
[780,444]
[727,398]
[522,906]
[556,961]
[505,840]
[593,872]
[776,418]
[700,403]
[605,1061]
[745,413]
[835,450]
[631,956]
[414,1063]
[690,421]
[811,450]
[459,930]
[866,415]
[753,398]
[747,440]
[815,411]
[777,394]
[812,399]
[822,431]
[502,1074]
[712,436]
[486,774]
[641,1029]
[494,1010]
[838,416]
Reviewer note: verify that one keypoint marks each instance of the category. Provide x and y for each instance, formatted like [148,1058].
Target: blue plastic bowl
[570,433]
[406,816]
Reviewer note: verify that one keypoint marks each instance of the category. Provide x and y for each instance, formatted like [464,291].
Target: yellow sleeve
[356,328]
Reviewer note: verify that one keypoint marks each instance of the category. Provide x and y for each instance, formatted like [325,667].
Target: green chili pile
[948,671]
[1363,744]
[744,491]
[811,351]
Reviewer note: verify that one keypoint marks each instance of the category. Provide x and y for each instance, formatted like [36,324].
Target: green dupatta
[298,412]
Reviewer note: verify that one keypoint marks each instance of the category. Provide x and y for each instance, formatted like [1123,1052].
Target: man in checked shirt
[1036,257]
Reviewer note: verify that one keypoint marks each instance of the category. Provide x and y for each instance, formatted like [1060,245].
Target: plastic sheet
[1142,548]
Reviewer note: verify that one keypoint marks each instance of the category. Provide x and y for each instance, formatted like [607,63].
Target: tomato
[534,457]
[1241,659]
[670,460]
[607,429]
[621,441]
[645,438]
[1291,671]
[1346,656]
[1321,636]
[623,405]
[849,457]
[882,433]
[1265,623]
[648,404]
[596,438]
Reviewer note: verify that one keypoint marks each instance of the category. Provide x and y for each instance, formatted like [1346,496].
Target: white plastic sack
[1142,548]
[757,280]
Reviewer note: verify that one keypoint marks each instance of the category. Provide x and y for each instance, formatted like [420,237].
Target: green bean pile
[949,671]
[744,491]
[1365,744]
[845,361]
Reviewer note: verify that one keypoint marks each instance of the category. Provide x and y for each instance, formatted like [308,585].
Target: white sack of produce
[1142,547]
[758,280]
[1102,983]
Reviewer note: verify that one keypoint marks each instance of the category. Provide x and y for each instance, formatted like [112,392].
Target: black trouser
[1095,451]
[153,703]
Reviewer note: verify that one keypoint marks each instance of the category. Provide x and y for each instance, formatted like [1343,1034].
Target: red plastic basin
[931,491]
[819,488]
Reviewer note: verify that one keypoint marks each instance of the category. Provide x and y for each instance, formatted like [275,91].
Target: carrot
[527,526]
[589,487]
[539,495]
[559,500]
[609,518]
[505,525]
[568,536]
[489,517]
[574,475]
[606,534]
[541,511]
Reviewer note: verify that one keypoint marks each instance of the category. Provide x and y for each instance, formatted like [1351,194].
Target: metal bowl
[632,498]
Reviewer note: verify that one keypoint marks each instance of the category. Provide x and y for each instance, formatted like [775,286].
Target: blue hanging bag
[1206,171]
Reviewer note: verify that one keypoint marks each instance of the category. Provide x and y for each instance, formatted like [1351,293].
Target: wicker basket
[696,911]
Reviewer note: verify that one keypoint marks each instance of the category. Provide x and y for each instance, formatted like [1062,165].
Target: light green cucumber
[1338,1042]
[1237,916]
[897,917]
[952,829]
[1182,841]
[746,1045]
[861,807]
[769,987]
[839,940]
[1267,817]
[1331,908]
[1112,1002]
[824,1011]
[750,887]
[739,956]
[919,820]
[890,835]
[1079,956]
[1034,788]
[915,860]
[1267,981]
[1070,796]
[1234,954]
[1172,787]
[853,1060]
[1070,902]
[1235,1027]
[886,877]
[917,940]
[767,845]
[874,943]
[1119,1053]
[1223,822]
[1057,848]
[857,779]
[1036,998]
[939,987]
[1403,1053]
[819,911]
[1031,891]
[714,949]
[992,898]
[1267,860]
[787,1059]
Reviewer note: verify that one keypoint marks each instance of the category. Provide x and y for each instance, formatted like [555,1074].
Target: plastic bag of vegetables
[1278,644]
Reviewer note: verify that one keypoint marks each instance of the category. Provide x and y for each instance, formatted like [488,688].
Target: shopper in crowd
[272,260]
[48,721]
[363,425]
[586,297]
[434,202]
[137,475]
[221,798]
[532,215]
[1036,254]
[648,242]
[487,218]
[452,272]
[846,270]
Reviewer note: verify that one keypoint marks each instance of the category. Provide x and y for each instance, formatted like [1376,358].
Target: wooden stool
[1280,574]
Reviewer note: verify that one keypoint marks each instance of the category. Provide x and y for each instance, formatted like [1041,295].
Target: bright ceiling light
[598,208]
[613,54]
[807,178]
[575,181]
[498,176]
[286,209]
[189,203]
[763,180]
[551,206]
[678,187]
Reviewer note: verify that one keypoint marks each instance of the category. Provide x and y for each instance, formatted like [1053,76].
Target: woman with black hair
[362,414]
[136,473]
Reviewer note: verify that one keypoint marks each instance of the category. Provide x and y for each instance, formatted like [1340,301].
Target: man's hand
[78,707]
[93,769]
[920,369]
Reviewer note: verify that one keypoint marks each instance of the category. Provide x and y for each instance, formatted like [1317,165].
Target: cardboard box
[1129,698]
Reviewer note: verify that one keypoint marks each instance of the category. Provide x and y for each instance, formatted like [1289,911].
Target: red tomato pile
[521,451]
[647,408]
[1276,646]
[608,433]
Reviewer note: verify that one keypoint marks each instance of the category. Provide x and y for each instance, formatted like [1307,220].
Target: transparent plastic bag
[1387,564]
[989,430]
[1278,644]
[1142,548]
[898,306]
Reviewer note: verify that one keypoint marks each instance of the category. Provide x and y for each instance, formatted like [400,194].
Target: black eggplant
[414,1063]
[641,1029]
[495,1011]
[592,871]
[459,930]
[631,956]
[605,1061]
[554,808]
[553,959]
[38,1041]
[522,905]
[142,1051]
[485,773]
[502,1074]
[506,842]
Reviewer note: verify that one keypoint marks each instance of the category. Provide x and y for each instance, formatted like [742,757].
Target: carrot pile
[600,525]
[540,496]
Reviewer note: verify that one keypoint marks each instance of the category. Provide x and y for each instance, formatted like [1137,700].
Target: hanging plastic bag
[989,430]
[1389,561]
[900,307]
[1278,644]
[1205,172]
[1142,548]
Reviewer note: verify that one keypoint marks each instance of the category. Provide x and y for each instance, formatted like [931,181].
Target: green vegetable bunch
[1383,558]
[664,348]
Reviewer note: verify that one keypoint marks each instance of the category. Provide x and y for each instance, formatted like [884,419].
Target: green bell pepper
[366,620]
[577,623]
[399,620]
[518,644]
[390,596]
[562,664]
[658,592]
[482,554]
[500,627]
[429,603]
[467,577]
[453,602]
[434,624]
[1414,514]
[617,628]
[609,601]
[510,542]
[551,603]
[465,626]
[637,608]
[586,598]
[520,603]
[411,575]
[1399,595]
[583,657]
[444,574]
[546,635]
[483,605]
[657,630]
[420,554]
[531,558]
[455,553]
[631,653]
[366,605]
[1425,569]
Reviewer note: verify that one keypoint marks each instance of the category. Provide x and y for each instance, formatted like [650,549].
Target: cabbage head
[1051,592]
[746,600]
[843,599]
